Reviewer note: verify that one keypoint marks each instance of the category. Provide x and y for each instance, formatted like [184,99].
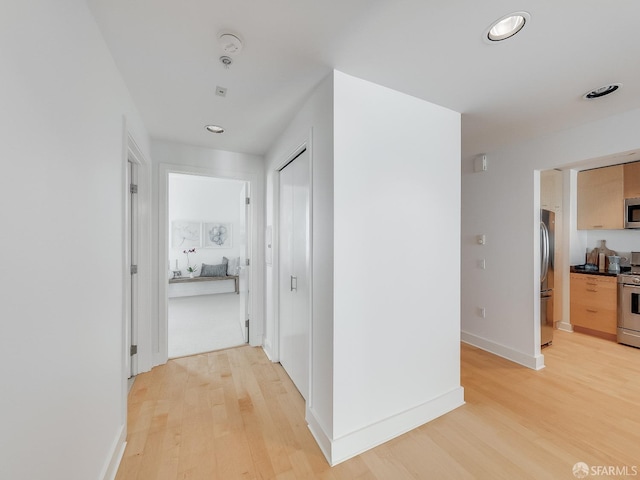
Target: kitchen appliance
[547,240]
[629,308]
[614,263]
[632,213]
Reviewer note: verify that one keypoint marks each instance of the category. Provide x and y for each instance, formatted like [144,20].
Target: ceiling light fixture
[214,128]
[602,91]
[506,27]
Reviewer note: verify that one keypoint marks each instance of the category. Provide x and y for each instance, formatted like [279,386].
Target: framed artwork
[217,235]
[185,234]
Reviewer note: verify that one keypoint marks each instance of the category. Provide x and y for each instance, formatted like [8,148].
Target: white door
[294,267]
[243,269]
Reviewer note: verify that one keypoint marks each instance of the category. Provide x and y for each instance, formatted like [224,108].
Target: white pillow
[232,266]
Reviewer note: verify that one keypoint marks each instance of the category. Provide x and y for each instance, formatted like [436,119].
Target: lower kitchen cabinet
[594,304]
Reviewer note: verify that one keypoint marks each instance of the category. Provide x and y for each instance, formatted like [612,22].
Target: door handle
[294,283]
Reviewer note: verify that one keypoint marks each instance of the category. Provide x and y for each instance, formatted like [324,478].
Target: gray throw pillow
[213,270]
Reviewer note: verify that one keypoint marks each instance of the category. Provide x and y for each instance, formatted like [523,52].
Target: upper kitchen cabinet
[551,190]
[601,198]
[632,180]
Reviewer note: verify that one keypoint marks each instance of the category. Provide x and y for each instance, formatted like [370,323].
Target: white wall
[503,204]
[178,158]
[64,105]
[385,171]
[204,200]
[618,240]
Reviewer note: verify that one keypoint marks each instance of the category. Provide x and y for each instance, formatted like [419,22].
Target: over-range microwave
[632,213]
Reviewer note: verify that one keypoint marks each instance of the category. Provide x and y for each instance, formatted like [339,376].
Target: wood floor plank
[233,414]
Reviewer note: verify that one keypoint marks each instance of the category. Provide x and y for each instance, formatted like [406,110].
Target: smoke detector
[230,44]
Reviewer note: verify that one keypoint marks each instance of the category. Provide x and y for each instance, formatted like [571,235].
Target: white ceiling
[168,53]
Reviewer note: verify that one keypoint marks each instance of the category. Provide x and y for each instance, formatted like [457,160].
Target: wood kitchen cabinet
[551,190]
[594,304]
[601,198]
[632,180]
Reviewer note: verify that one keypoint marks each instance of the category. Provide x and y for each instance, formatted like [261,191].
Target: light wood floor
[234,415]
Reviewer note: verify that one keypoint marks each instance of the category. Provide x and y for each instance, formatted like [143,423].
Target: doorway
[552,213]
[294,266]
[208,239]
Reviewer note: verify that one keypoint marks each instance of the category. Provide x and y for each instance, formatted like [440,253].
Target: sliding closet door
[294,261]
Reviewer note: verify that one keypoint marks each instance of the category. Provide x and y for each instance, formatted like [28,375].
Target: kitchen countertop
[593,272]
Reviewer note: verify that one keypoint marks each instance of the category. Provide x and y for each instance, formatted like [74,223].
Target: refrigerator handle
[544,254]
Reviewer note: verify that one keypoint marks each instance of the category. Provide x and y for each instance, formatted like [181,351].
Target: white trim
[255,254]
[354,443]
[565,327]
[110,468]
[143,329]
[309,146]
[534,362]
[322,438]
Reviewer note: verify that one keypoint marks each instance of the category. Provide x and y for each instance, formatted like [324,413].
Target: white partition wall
[385,205]
[396,263]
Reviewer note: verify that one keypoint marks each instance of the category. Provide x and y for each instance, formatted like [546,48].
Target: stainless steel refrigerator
[547,244]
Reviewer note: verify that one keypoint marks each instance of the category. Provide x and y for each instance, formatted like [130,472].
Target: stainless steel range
[629,304]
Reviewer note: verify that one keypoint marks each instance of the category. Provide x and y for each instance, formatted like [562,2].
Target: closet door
[294,261]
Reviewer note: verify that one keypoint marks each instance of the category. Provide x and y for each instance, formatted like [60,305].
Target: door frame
[131,256]
[141,328]
[256,271]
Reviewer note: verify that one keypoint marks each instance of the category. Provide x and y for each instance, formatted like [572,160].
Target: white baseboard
[110,469]
[535,362]
[267,347]
[322,439]
[340,449]
[565,327]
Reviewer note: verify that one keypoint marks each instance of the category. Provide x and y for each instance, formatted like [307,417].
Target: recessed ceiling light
[214,128]
[602,91]
[506,27]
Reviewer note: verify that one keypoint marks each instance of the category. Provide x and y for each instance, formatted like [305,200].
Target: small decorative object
[177,274]
[217,235]
[190,269]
